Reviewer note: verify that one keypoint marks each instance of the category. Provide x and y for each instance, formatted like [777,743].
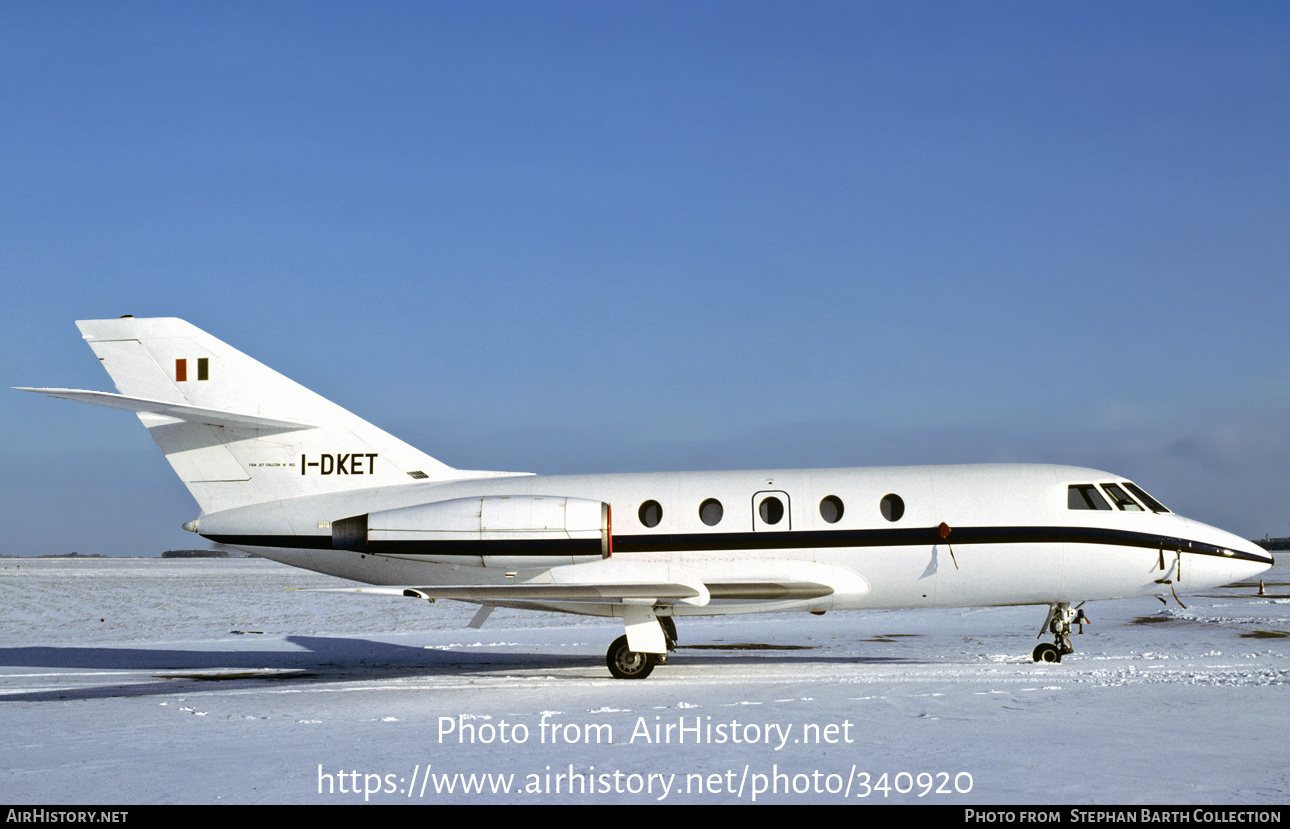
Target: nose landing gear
[1060,618]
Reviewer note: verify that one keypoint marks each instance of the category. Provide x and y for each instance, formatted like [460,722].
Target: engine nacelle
[509,531]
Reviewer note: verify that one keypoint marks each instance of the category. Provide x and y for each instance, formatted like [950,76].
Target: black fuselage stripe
[729,542]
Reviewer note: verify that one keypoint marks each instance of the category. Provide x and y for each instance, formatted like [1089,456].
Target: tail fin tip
[236,431]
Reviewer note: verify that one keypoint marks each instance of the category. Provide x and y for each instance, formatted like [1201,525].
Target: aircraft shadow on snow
[333,660]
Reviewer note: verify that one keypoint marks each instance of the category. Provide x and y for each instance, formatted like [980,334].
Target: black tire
[1047,652]
[628,664]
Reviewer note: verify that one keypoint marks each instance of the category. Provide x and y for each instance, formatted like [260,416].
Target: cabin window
[771,510]
[651,513]
[1152,503]
[831,509]
[1121,498]
[1085,496]
[710,512]
[893,507]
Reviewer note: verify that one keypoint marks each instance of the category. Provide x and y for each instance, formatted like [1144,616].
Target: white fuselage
[980,535]
[283,472]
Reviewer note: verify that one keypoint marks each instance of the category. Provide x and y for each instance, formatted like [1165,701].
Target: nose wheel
[1047,652]
[1060,618]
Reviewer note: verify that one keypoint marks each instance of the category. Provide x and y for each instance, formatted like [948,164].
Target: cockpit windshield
[1152,503]
[1089,496]
[1085,496]
[1121,499]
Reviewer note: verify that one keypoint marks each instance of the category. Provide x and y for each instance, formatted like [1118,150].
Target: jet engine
[510,531]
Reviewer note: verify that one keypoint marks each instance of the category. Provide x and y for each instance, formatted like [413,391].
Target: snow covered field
[191,681]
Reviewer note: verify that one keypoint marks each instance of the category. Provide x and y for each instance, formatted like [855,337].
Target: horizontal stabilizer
[192,414]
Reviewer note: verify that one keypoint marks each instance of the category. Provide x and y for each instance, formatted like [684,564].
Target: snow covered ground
[191,681]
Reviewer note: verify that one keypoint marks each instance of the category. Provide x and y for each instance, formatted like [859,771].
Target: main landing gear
[1060,618]
[628,664]
[625,663]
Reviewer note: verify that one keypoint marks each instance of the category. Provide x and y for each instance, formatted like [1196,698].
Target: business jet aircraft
[283,473]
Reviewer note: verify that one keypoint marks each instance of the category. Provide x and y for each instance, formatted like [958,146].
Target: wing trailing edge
[606,581]
[614,581]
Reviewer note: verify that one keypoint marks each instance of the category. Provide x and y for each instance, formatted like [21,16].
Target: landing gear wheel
[1047,652]
[628,664]
[1060,618]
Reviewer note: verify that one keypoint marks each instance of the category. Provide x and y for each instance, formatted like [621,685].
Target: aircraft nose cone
[1267,557]
[1250,559]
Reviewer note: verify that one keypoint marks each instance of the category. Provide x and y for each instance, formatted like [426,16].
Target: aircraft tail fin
[236,431]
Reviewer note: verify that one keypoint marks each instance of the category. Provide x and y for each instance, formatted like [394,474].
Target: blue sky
[566,237]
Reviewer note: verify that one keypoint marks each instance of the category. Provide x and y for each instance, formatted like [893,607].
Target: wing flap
[768,590]
[615,581]
[600,582]
[597,593]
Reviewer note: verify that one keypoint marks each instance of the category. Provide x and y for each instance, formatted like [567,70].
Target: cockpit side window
[1152,503]
[1085,496]
[1121,498]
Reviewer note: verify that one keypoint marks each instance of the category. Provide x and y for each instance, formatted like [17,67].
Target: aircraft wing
[180,411]
[622,592]
[605,581]
[615,581]
[595,593]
